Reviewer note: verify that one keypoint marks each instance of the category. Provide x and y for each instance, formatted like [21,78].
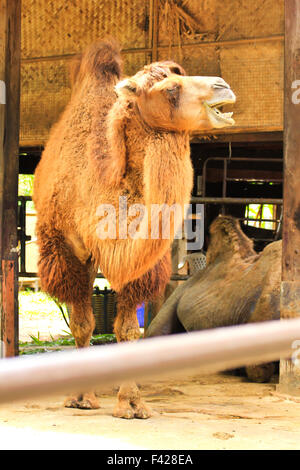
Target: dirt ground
[193,412]
[220,411]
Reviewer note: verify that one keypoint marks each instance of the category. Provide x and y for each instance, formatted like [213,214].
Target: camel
[237,286]
[118,139]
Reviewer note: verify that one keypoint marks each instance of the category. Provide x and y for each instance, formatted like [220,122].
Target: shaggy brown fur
[57,263]
[237,286]
[130,141]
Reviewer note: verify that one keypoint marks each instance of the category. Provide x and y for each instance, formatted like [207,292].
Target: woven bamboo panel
[132,63]
[255,73]
[202,12]
[45,91]
[196,61]
[58,28]
[65,27]
[239,19]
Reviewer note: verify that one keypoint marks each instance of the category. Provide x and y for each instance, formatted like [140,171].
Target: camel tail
[101,59]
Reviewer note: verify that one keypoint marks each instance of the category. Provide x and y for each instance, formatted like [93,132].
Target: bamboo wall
[241,41]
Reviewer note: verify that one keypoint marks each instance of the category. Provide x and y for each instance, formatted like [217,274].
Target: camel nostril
[220,83]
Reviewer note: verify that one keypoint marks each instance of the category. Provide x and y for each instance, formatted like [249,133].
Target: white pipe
[207,351]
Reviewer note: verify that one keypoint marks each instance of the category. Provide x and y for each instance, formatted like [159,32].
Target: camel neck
[156,129]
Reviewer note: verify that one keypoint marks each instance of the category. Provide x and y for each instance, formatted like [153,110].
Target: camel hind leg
[82,325]
[64,276]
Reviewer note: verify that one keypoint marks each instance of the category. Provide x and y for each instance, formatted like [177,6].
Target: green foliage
[36,340]
[26,185]
[103,339]
[56,345]
[255,212]
[26,352]
[37,304]
[26,189]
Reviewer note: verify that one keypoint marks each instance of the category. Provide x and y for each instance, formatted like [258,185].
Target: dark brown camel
[237,286]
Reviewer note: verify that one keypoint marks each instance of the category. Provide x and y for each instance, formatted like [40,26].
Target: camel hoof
[84,402]
[130,334]
[141,410]
[131,410]
[125,412]
[88,405]
[70,403]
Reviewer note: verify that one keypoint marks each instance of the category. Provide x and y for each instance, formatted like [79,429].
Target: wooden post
[154,30]
[10,40]
[290,287]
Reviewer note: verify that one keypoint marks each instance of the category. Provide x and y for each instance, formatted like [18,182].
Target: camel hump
[102,59]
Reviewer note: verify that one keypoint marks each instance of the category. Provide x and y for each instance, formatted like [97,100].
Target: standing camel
[117,141]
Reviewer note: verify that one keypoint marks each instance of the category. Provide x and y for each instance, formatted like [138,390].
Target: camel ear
[127,88]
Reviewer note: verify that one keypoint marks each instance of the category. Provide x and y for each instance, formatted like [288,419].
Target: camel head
[168,99]
[227,238]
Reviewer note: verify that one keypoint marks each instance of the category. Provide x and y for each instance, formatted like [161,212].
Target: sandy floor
[195,412]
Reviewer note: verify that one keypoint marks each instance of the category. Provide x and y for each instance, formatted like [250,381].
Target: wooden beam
[155,48]
[155,13]
[263,134]
[241,135]
[10,40]
[290,287]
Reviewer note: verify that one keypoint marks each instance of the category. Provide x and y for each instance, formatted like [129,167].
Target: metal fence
[206,351]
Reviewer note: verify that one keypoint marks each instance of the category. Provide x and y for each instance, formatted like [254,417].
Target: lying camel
[117,142]
[237,286]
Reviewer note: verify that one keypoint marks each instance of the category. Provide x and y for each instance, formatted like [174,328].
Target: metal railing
[207,351]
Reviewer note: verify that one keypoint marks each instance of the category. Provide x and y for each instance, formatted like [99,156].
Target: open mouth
[217,118]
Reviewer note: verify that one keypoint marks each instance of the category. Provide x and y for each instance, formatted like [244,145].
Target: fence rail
[206,351]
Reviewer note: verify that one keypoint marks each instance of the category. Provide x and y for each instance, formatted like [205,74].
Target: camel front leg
[130,404]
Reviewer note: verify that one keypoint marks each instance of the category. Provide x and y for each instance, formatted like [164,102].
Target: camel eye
[173,90]
[176,70]
[173,94]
